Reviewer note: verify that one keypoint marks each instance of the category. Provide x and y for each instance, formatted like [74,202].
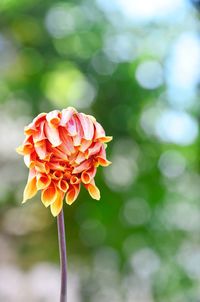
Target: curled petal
[39,135]
[83,166]
[53,118]
[30,189]
[93,190]
[60,154]
[85,144]
[57,175]
[30,160]
[56,206]
[56,166]
[41,150]
[29,131]
[32,127]
[99,131]
[87,125]
[20,150]
[63,185]
[64,150]
[25,149]
[71,127]
[72,193]
[32,174]
[74,180]
[92,118]
[78,138]
[66,115]
[94,149]
[43,181]
[42,167]
[72,158]
[100,134]
[87,176]
[80,158]
[101,158]
[105,139]
[67,175]
[52,134]
[37,120]
[66,140]
[103,162]
[49,195]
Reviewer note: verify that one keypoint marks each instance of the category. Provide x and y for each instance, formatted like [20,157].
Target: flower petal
[67,175]
[87,176]
[74,180]
[59,154]
[105,139]
[71,127]
[26,148]
[103,162]
[101,158]
[53,118]
[30,189]
[39,135]
[41,167]
[78,138]
[83,166]
[49,195]
[63,185]
[66,140]
[41,149]
[66,115]
[94,149]
[57,175]
[85,144]
[80,158]
[32,127]
[99,131]
[100,134]
[32,174]
[87,125]
[57,205]
[52,134]
[43,181]
[93,190]
[72,193]
[56,166]
[30,160]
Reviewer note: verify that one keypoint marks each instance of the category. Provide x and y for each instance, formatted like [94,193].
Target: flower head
[63,149]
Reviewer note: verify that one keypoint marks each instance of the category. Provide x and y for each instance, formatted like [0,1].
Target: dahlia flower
[62,150]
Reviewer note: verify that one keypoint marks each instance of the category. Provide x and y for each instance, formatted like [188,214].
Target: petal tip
[69,202]
[19,150]
[94,191]
[54,211]
[109,138]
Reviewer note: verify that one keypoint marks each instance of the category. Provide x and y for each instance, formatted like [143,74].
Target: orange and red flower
[63,149]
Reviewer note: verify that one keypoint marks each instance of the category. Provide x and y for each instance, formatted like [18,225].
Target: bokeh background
[135,65]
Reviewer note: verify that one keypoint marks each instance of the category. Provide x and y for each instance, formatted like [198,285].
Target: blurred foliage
[102,60]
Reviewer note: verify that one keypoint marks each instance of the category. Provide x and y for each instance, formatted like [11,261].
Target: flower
[63,149]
